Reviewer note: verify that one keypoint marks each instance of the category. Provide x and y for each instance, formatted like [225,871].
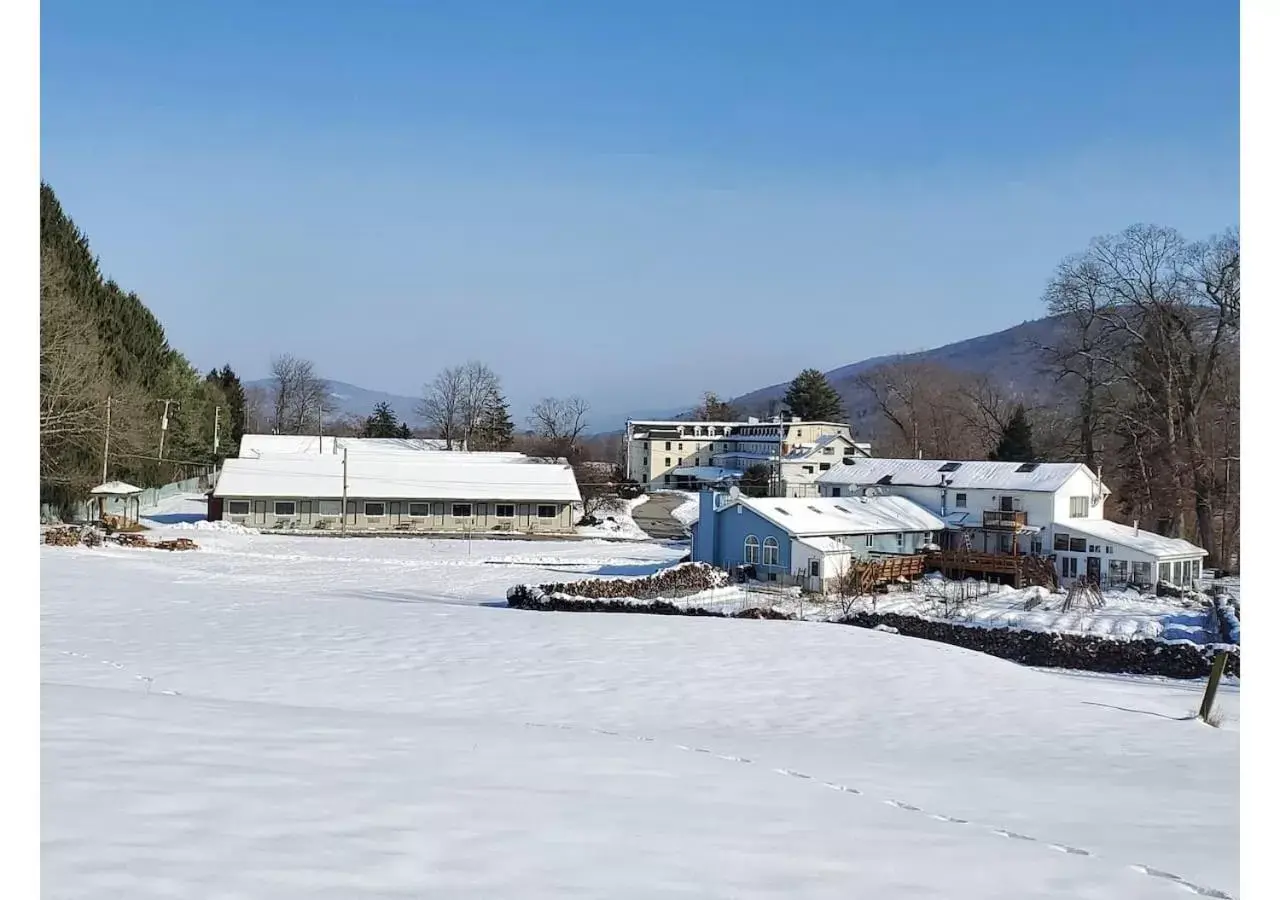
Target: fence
[149,499]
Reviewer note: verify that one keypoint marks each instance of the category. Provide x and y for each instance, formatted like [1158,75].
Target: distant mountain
[1010,358]
[351,400]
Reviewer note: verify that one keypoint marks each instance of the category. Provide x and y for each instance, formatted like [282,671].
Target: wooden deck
[1023,570]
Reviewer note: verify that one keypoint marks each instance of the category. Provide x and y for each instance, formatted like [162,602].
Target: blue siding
[733,526]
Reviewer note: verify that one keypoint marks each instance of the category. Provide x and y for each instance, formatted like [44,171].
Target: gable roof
[1148,542]
[398,476]
[960,474]
[816,516]
[808,448]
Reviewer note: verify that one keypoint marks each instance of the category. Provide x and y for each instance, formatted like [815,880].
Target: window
[815,568]
[667,461]
[462,510]
[329,507]
[546,511]
[770,551]
[645,461]
[1037,547]
[871,541]
[751,550]
[1164,571]
[681,447]
[1079,507]
[808,470]
[504,510]
[238,507]
[1141,573]
[1006,504]
[1078,545]
[419,510]
[374,510]
[697,460]
[824,467]
[351,507]
[901,539]
[1061,542]
[962,500]
[829,451]
[1109,550]
[835,492]
[1070,566]
[286,508]
[668,445]
[1118,570]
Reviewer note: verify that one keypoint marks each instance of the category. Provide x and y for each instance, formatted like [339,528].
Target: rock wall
[1089,653]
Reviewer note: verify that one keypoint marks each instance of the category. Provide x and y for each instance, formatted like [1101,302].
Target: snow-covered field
[285,717]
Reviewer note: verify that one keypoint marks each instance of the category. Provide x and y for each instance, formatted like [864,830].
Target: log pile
[76,536]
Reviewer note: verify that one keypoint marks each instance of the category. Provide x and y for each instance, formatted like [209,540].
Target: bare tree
[713,409]
[559,423]
[442,405]
[479,389]
[298,395]
[257,410]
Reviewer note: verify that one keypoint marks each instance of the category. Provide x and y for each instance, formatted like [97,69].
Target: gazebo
[117,490]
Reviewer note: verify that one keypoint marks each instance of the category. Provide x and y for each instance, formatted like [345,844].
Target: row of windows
[376,509]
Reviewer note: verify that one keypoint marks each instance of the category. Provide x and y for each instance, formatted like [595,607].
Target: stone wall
[1089,653]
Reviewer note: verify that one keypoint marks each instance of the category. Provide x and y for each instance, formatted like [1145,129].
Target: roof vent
[888,479]
[781,510]
[815,509]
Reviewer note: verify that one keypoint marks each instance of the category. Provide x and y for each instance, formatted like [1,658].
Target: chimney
[1135,527]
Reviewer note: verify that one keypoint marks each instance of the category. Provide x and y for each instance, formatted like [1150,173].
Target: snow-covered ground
[283,717]
[687,512]
[616,521]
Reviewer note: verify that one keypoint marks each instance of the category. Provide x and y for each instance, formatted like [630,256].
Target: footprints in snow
[907,807]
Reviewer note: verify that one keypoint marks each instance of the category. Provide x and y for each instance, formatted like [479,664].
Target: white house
[252,445]
[1047,509]
[429,492]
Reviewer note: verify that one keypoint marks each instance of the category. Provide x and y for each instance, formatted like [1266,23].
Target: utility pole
[344,491]
[320,435]
[164,424]
[1222,535]
[217,420]
[106,444]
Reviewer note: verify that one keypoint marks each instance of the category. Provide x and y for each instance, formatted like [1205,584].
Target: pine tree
[232,417]
[812,398]
[496,430]
[383,423]
[1015,443]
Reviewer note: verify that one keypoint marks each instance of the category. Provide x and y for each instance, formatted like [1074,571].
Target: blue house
[808,541]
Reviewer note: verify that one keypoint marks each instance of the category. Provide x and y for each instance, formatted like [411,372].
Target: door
[1006,504]
[393,513]
[1070,567]
[1093,568]
[304,512]
[260,512]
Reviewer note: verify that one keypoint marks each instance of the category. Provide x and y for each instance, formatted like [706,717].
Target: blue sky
[632,202]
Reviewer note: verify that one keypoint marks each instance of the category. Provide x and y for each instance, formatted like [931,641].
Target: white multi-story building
[685,455]
[1044,509]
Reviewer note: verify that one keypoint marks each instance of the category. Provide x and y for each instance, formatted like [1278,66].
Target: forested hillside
[106,370]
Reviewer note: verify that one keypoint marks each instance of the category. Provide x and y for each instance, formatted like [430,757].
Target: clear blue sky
[636,204]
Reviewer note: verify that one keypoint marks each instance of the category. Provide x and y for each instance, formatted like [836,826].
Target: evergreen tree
[812,398]
[1015,443]
[495,430]
[756,480]
[383,423]
[232,400]
[404,432]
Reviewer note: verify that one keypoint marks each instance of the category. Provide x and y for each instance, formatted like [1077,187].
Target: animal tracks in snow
[1148,871]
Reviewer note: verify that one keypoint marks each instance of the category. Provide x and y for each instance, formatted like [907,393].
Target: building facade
[392,492]
[685,455]
[1054,510]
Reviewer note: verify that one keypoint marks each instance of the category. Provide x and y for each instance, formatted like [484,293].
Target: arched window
[770,551]
[751,550]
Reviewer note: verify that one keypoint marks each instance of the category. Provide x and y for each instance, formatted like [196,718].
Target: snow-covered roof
[1148,542]
[707,473]
[116,489]
[960,474]
[398,476]
[272,444]
[813,516]
[825,544]
[807,449]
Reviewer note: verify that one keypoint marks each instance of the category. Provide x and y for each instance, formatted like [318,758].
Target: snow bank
[687,512]
[220,525]
[616,521]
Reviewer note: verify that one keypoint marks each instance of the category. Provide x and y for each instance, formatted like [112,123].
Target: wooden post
[1211,689]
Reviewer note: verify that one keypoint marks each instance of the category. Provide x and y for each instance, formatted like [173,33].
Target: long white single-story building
[255,445]
[428,492]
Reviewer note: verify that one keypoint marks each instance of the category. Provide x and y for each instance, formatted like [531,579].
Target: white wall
[1079,485]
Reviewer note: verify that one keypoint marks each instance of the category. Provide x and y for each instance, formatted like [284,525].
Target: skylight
[815,509]
[842,509]
[949,467]
[781,510]
[1027,467]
